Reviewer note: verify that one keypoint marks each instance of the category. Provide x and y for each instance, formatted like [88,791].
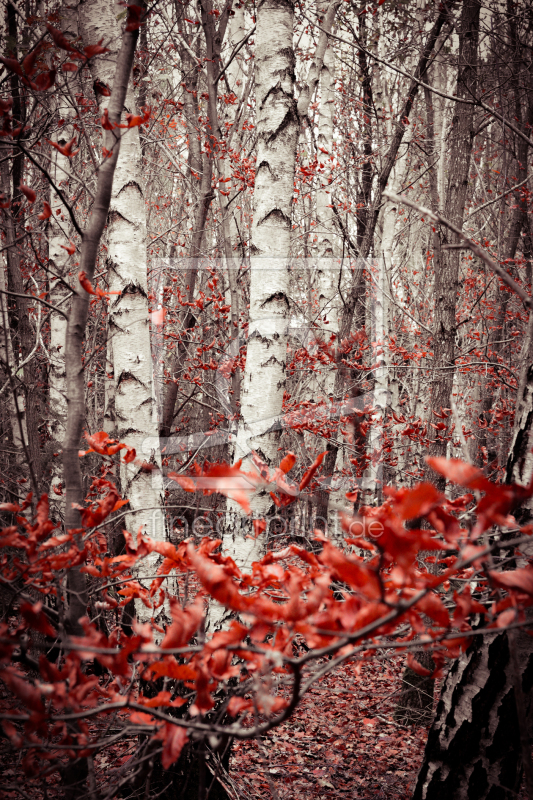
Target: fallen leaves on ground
[341,742]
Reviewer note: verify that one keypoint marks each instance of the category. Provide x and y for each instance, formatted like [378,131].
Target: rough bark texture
[129,326]
[59,262]
[478,740]
[473,748]
[277,136]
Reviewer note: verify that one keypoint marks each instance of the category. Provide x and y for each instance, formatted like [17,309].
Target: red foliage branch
[293,609]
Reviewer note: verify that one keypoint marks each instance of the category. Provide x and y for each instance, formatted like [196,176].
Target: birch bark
[277,134]
[58,239]
[135,411]
[277,126]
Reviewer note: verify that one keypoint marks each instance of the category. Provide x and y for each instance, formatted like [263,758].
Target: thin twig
[475,248]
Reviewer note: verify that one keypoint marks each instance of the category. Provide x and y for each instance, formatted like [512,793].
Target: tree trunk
[129,325]
[75,773]
[447,262]
[473,750]
[59,229]
[201,169]
[277,125]
[24,337]
[76,583]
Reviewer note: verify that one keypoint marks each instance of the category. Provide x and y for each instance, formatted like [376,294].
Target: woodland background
[292,238]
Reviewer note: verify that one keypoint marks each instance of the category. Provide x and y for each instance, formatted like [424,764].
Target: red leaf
[237,705]
[101,88]
[186,483]
[129,455]
[518,579]
[174,739]
[45,80]
[95,49]
[133,21]
[65,149]
[350,569]
[170,668]
[107,125]
[10,507]
[12,64]
[506,618]
[417,502]
[23,689]
[307,478]
[70,248]
[145,466]
[60,39]
[217,581]
[37,619]
[133,120]
[416,667]
[287,462]
[87,285]
[46,213]
[28,193]
[459,472]
[465,605]
[28,63]
[185,623]
[433,607]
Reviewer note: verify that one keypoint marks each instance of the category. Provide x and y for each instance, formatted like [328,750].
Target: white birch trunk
[327,264]
[327,236]
[277,125]
[59,227]
[135,412]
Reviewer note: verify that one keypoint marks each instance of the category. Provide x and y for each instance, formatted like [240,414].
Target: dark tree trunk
[14,229]
[480,742]
[473,750]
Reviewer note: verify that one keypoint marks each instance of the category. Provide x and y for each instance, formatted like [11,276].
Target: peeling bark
[473,750]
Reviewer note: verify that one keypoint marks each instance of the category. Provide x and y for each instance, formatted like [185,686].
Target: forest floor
[342,741]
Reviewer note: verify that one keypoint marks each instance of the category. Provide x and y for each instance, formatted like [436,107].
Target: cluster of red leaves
[239,486]
[293,608]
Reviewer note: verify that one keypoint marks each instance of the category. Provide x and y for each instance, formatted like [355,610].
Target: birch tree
[58,240]
[278,117]
[277,125]
[129,326]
